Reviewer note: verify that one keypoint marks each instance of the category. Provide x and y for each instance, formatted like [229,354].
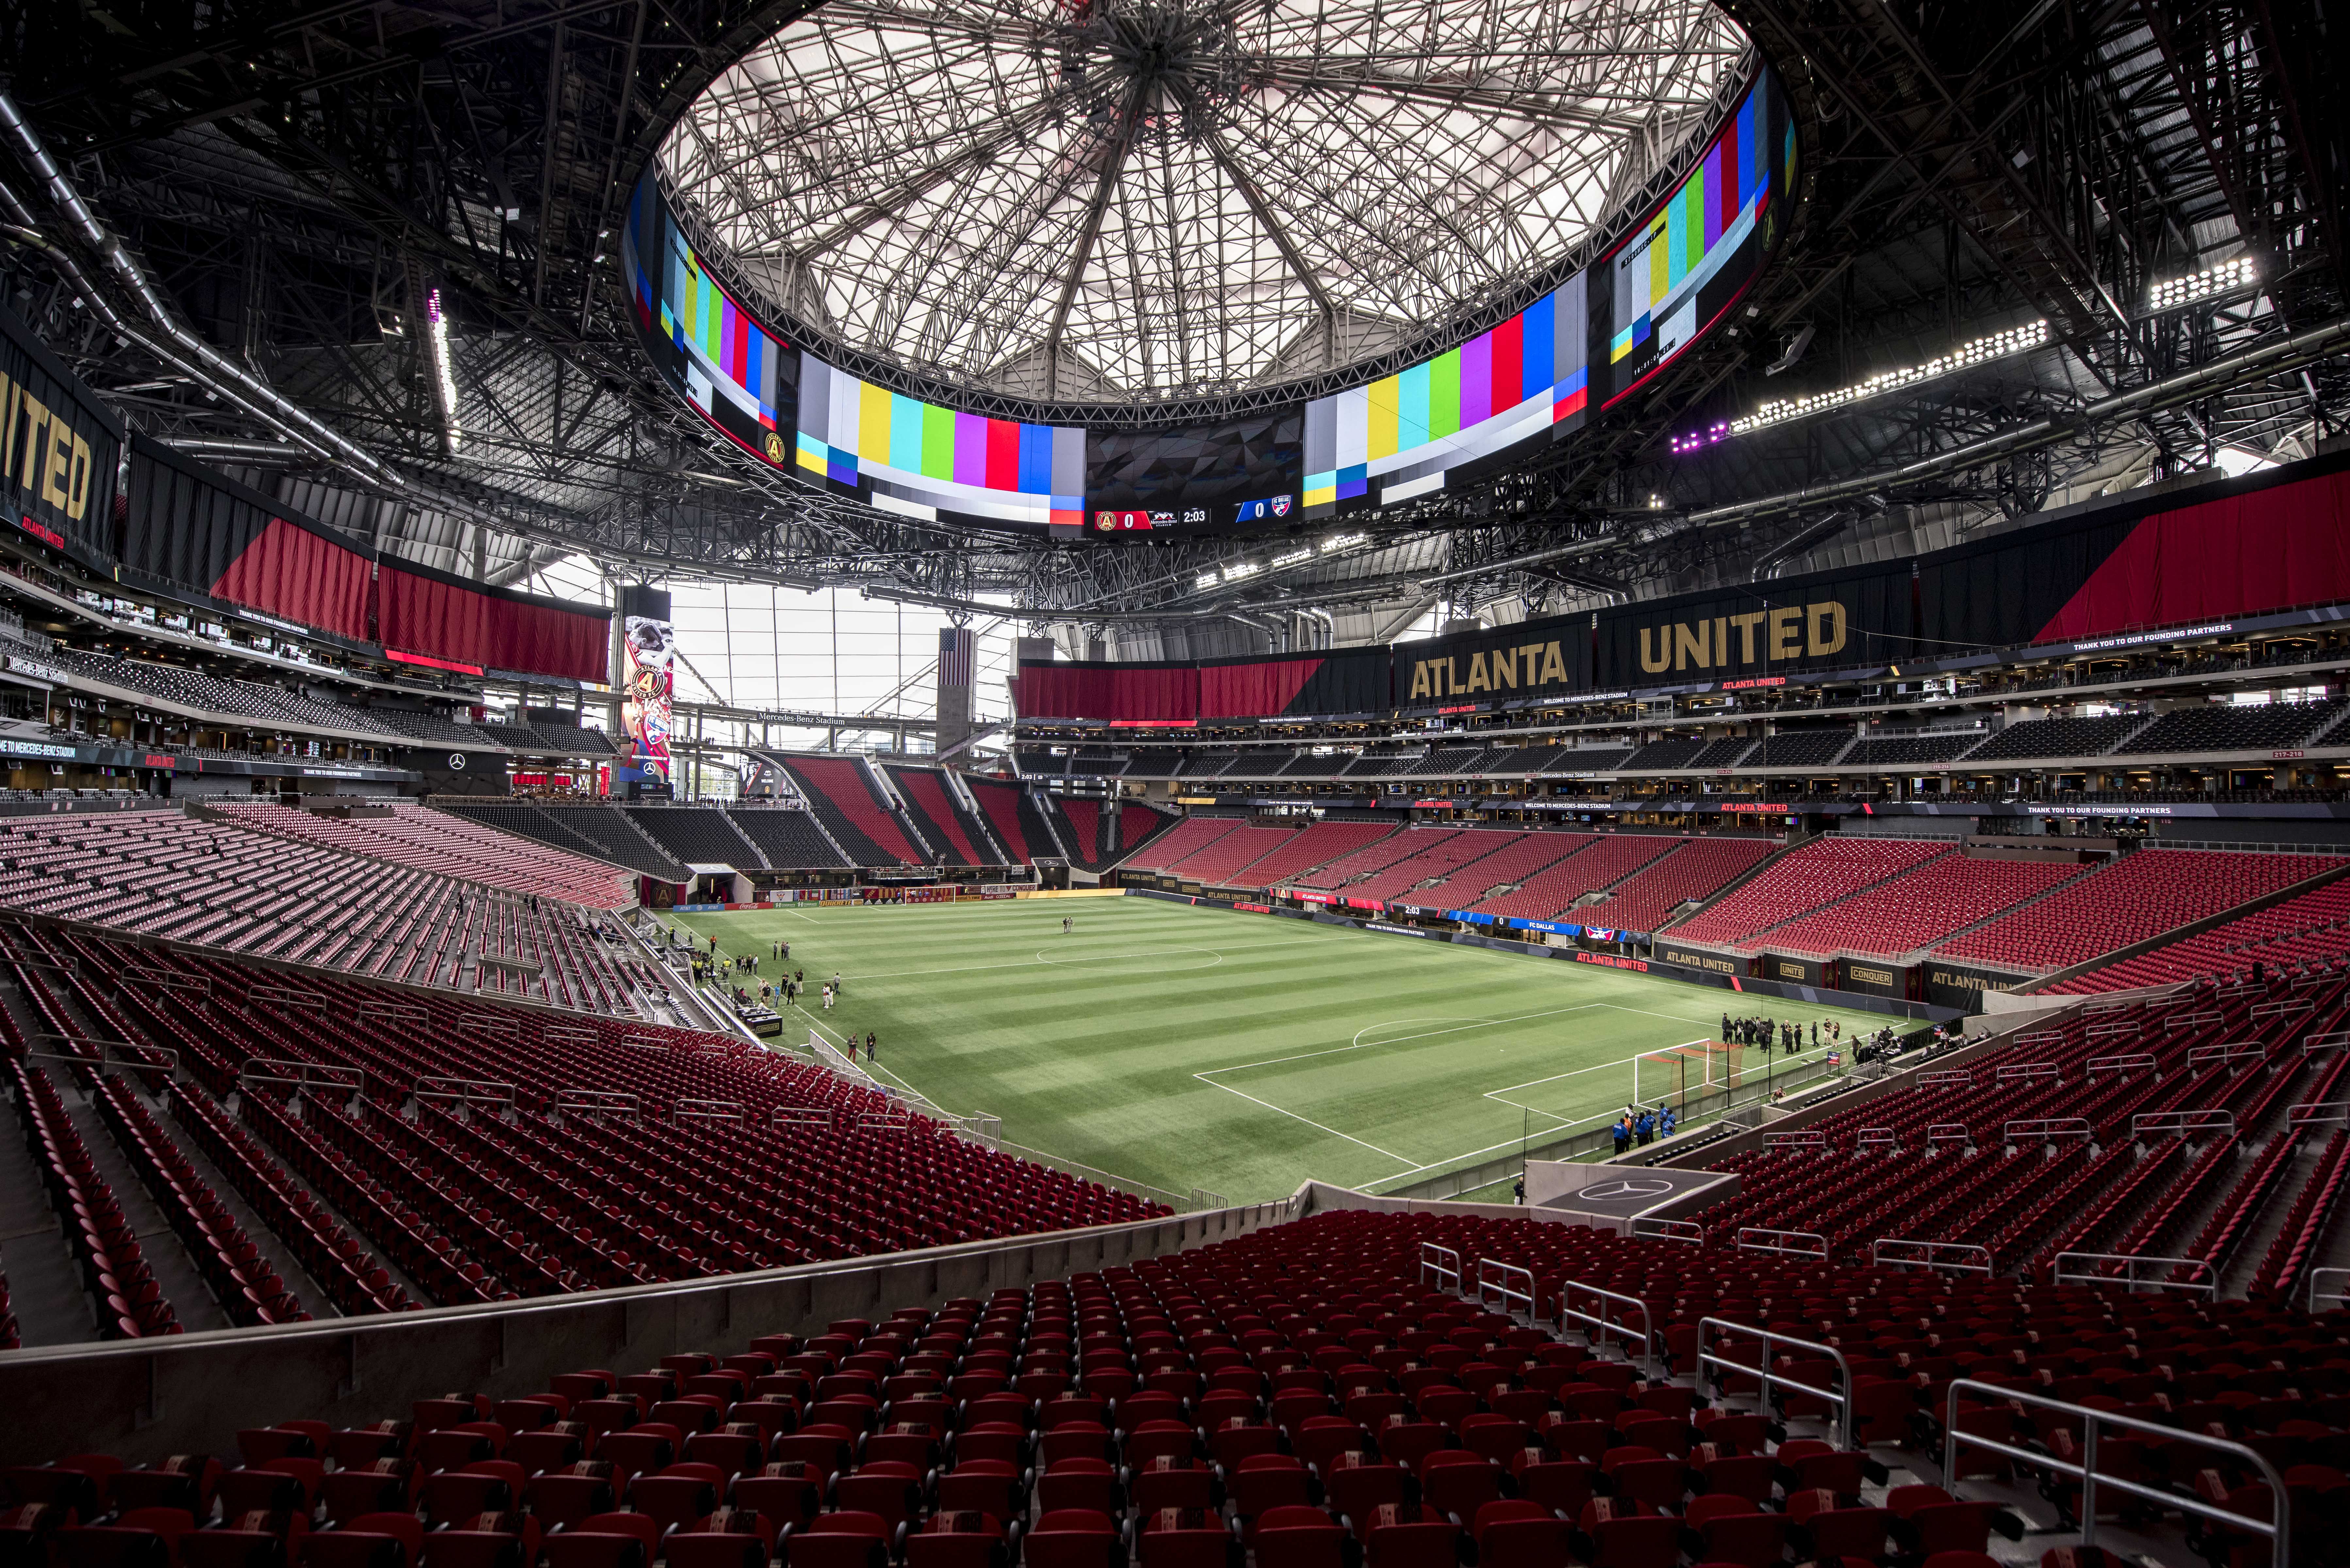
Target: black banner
[1697,959]
[1548,657]
[1351,681]
[1874,977]
[1829,621]
[1794,970]
[1958,986]
[59,448]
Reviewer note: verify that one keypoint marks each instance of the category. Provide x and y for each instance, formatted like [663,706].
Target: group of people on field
[1785,1035]
[1640,1127]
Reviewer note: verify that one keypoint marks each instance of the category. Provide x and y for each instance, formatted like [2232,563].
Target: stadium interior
[1617,734]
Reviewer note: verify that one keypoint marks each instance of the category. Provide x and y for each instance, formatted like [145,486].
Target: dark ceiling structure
[228,218]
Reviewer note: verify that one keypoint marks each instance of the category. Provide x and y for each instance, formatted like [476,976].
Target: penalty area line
[1309,1121]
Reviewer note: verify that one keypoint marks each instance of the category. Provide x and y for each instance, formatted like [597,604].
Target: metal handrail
[1807,1138]
[1870,1137]
[1668,1230]
[1953,1078]
[1776,1241]
[564,1035]
[2198,1021]
[285,996]
[2315,1293]
[2311,1044]
[488,1023]
[171,980]
[1841,1401]
[2041,1037]
[2277,1527]
[803,1116]
[2114,1030]
[2279,1009]
[1934,1255]
[2047,1127]
[2010,1072]
[302,1077]
[597,1102]
[1431,1262]
[2235,1051]
[1494,1284]
[1948,1132]
[1598,1321]
[707,1110]
[2182,1122]
[2128,1062]
[398,1011]
[2318,1113]
[2128,1279]
[113,1056]
[465,1091]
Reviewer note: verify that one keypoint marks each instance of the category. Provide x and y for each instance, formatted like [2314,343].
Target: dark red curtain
[293,573]
[1146,696]
[442,619]
[2285,545]
[1063,691]
[1253,691]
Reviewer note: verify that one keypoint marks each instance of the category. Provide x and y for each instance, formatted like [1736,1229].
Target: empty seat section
[696,835]
[2301,934]
[788,836]
[1187,839]
[836,789]
[1819,873]
[1215,865]
[1921,906]
[1299,853]
[2138,896]
[1695,871]
[942,819]
[1599,860]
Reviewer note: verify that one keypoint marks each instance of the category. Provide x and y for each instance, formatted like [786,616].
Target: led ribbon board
[1662,283]
[1403,433]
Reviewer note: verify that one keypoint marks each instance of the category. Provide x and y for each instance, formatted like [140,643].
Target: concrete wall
[143,1400]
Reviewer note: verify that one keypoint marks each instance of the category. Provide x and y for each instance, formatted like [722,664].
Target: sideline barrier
[2277,1528]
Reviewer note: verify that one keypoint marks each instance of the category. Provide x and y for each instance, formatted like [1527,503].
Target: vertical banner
[647,678]
[958,673]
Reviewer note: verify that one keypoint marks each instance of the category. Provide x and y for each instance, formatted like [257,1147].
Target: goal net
[1678,1074]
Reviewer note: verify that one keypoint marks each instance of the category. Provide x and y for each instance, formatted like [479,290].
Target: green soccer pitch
[1193,1047]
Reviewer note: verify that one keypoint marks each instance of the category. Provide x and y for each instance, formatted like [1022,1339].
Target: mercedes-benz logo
[456,761]
[1623,1192]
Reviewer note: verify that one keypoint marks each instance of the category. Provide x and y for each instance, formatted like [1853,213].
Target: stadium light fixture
[1291,558]
[1338,542]
[1206,580]
[444,372]
[2212,280]
[1238,569]
[2020,339]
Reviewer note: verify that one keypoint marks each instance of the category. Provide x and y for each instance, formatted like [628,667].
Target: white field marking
[1366,1029]
[1317,1127]
[1124,958]
[1361,1043]
[871,1065]
[811,920]
[1490,1149]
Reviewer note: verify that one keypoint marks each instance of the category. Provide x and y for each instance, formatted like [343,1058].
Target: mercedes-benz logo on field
[1624,1191]
[456,761]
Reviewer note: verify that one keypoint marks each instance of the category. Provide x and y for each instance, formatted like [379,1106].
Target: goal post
[1678,1074]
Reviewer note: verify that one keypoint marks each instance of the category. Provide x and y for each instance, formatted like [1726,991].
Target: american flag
[957,656]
